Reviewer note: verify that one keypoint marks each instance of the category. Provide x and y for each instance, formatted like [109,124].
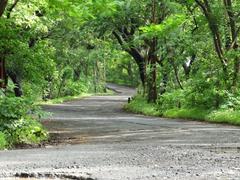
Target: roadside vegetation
[140,105]
[183,53]
[19,122]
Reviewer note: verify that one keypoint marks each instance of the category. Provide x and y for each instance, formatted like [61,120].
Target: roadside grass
[193,114]
[63,99]
[227,116]
[140,105]
[71,98]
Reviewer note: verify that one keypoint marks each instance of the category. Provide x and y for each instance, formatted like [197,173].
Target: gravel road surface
[94,138]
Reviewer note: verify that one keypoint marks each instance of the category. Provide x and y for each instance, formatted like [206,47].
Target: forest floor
[96,139]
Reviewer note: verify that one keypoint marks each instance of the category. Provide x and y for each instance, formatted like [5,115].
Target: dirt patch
[65,138]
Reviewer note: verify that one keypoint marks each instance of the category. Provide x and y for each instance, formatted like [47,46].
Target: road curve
[97,139]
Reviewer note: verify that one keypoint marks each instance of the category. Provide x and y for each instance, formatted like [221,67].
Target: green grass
[140,105]
[70,98]
[229,117]
[194,114]
[64,99]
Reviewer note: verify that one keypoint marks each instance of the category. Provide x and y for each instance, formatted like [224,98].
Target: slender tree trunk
[96,76]
[3,74]
[60,87]
[3,4]
[152,80]
[152,87]
[175,69]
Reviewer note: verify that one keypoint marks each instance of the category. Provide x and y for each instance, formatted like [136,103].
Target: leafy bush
[169,100]
[231,101]
[140,105]
[3,141]
[75,88]
[18,121]
[198,93]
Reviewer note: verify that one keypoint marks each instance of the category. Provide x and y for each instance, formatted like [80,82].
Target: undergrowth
[139,105]
[19,122]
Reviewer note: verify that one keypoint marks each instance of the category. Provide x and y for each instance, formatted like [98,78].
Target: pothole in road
[46,176]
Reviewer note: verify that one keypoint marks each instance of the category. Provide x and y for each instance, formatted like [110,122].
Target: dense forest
[183,55]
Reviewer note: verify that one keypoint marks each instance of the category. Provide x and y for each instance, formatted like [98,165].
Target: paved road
[99,140]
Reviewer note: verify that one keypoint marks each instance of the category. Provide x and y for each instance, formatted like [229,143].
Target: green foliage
[75,88]
[225,116]
[3,141]
[165,28]
[18,121]
[193,114]
[231,102]
[121,69]
[140,105]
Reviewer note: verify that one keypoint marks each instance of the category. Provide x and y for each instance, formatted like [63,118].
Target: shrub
[18,120]
[3,141]
[197,93]
[75,88]
[140,105]
[170,100]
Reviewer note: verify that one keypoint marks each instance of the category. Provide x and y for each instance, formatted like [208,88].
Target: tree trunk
[152,80]
[3,4]
[236,72]
[77,74]
[137,56]
[187,66]
[3,75]
[175,69]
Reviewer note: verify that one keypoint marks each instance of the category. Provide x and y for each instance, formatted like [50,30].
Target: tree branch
[10,9]
[118,37]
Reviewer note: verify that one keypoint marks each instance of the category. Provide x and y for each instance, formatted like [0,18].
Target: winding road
[94,138]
